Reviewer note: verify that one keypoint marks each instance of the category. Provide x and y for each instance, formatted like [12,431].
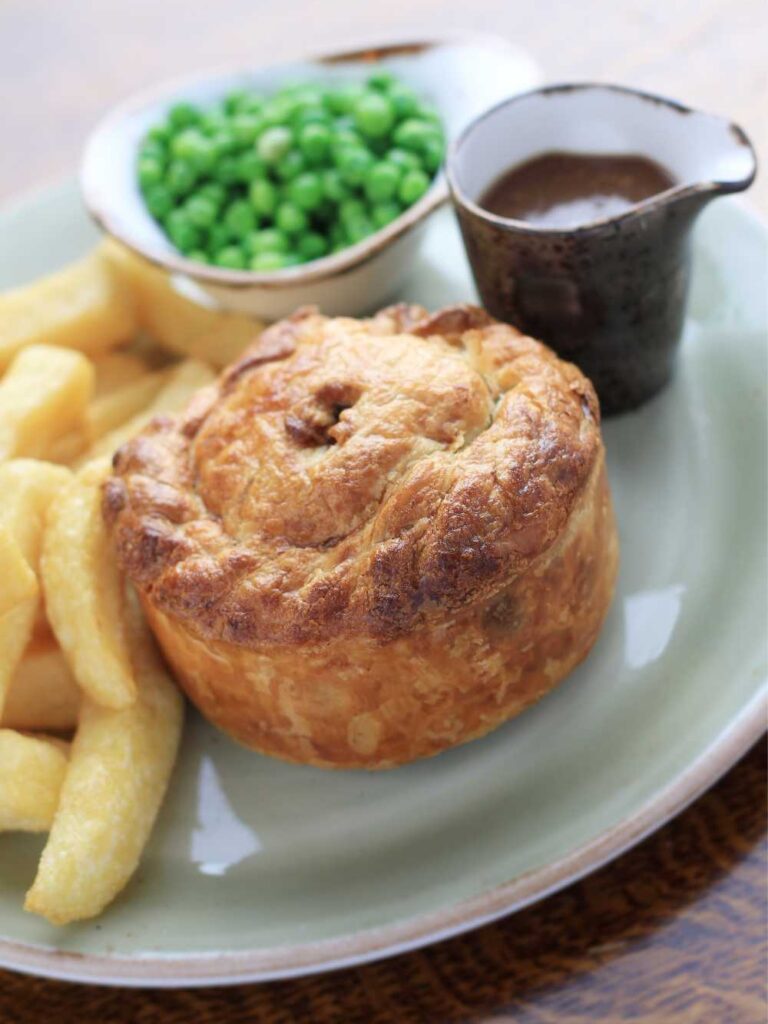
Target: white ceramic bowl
[460,78]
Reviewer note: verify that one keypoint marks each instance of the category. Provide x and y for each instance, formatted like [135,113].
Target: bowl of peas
[302,183]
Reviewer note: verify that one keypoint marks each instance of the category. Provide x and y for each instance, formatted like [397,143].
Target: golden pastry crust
[371,540]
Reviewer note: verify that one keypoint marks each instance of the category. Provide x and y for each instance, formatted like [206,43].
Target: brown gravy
[564,190]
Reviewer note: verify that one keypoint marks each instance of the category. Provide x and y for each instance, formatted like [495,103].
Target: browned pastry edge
[353,702]
[451,530]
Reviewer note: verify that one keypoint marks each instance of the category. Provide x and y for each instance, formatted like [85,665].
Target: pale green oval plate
[260,870]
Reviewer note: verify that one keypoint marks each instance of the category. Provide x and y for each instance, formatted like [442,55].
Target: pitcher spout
[707,155]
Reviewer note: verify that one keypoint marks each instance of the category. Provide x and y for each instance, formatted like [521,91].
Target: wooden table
[673,931]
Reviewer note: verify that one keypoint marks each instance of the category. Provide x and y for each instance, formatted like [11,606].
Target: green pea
[290,165]
[250,167]
[404,159]
[159,201]
[263,196]
[290,218]
[381,79]
[333,187]
[382,181]
[353,164]
[346,123]
[433,154]
[240,218]
[315,142]
[223,143]
[212,122]
[412,187]
[232,257]
[301,160]
[351,209]
[206,156]
[214,191]
[336,234]
[151,150]
[202,153]
[266,240]
[264,262]
[345,138]
[427,113]
[201,210]
[359,229]
[277,111]
[181,177]
[182,115]
[184,144]
[384,213]
[246,128]
[159,134]
[306,116]
[306,191]
[227,170]
[184,235]
[379,146]
[412,133]
[341,101]
[198,255]
[374,115]
[274,143]
[312,245]
[404,100]
[150,172]
[219,235]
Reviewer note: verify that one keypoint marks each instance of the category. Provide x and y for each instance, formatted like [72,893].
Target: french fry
[80,307]
[117,775]
[19,583]
[66,450]
[32,771]
[43,396]
[115,370]
[180,385]
[43,695]
[84,595]
[15,631]
[176,322]
[110,410]
[183,382]
[27,487]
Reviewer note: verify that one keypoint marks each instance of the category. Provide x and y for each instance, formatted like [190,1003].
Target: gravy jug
[608,294]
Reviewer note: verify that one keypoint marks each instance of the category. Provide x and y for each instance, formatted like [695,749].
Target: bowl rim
[462,201]
[334,265]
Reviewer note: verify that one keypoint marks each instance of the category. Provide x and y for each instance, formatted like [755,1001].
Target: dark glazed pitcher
[608,294]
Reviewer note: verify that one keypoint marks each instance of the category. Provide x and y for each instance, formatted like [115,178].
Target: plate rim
[360,947]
